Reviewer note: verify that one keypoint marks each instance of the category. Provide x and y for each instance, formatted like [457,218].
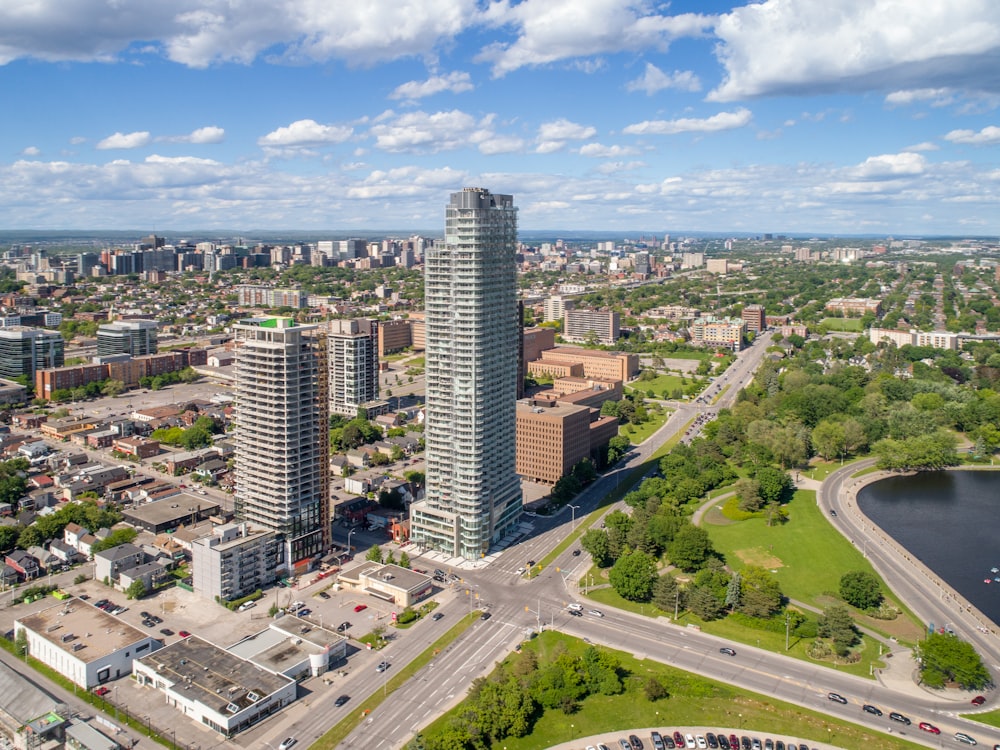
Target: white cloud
[925,146]
[552,136]
[936,97]
[208,134]
[424,132]
[552,30]
[126,140]
[889,166]
[76,140]
[653,79]
[721,121]
[305,133]
[31,151]
[614,167]
[501,144]
[198,33]
[455,82]
[988,136]
[407,181]
[600,151]
[788,47]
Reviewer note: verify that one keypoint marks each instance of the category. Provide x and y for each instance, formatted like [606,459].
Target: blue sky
[852,116]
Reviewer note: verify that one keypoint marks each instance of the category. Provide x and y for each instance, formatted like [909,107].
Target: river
[950,521]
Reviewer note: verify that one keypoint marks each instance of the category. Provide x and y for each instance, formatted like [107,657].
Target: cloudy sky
[851,116]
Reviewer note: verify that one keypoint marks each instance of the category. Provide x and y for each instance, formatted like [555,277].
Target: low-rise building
[235,560]
[84,644]
[390,583]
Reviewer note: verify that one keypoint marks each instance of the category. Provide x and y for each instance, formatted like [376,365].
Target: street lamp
[573,509]
[349,540]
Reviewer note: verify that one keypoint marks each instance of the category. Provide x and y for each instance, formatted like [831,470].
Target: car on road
[485,616]
[727,651]
[596,613]
[382,666]
[978,700]
[896,716]
[836,698]
[576,553]
[287,743]
[868,708]
[530,564]
[102,691]
[184,634]
[928,727]
[437,616]
[833,512]
[341,700]
[965,738]
[361,608]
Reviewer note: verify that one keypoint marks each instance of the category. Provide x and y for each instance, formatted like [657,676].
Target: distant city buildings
[718,332]
[755,318]
[23,351]
[854,306]
[133,337]
[473,494]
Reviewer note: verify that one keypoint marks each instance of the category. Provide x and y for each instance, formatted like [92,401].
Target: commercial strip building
[282,448]
[390,583]
[84,644]
[473,493]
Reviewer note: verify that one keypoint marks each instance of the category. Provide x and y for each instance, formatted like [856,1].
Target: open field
[842,324]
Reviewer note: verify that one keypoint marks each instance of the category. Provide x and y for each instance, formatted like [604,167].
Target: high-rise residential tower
[135,337]
[473,494]
[353,353]
[282,454]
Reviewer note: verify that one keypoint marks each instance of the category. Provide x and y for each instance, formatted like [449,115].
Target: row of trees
[86,513]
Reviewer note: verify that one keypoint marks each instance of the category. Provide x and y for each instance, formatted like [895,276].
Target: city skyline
[792,116]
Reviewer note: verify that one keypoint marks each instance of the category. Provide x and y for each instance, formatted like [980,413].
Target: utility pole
[786,630]
[677,601]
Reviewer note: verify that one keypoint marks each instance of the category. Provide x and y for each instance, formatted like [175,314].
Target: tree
[748,492]
[390,559]
[773,484]
[632,576]
[703,602]
[8,538]
[860,589]
[944,658]
[374,553]
[597,544]
[654,690]
[404,560]
[690,548]
[667,593]
[136,590]
[733,591]
[760,594]
[837,625]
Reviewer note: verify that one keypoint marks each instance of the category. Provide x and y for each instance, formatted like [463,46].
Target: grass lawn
[640,433]
[661,385]
[990,718]
[869,470]
[806,556]
[822,469]
[693,701]
[842,324]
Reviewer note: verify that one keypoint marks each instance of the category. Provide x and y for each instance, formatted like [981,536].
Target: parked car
[323,595]
[102,690]
[166,631]
[304,612]
[184,634]
[361,608]
[345,625]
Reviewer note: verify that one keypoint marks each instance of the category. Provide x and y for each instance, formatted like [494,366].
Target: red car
[360,607]
[929,728]
[183,634]
[978,700]
[102,690]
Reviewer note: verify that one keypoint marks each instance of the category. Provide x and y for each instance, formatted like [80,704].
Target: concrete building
[133,337]
[717,265]
[353,361]
[390,583]
[282,449]
[84,644]
[854,306]
[586,363]
[536,340]
[755,318]
[473,496]
[718,332]
[235,560]
[551,439]
[603,326]
[213,687]
[555,307]
[24,350]
[394,336]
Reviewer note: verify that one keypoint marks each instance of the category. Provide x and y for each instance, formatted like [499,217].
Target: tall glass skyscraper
[473,494]
[282,476]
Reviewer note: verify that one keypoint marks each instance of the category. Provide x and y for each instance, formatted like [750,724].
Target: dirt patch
[760,557]
[902,628]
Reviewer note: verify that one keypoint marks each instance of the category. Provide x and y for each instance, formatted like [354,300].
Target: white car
[574,607]
[702,744]
[596,613]
[287,743]
[689,740]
